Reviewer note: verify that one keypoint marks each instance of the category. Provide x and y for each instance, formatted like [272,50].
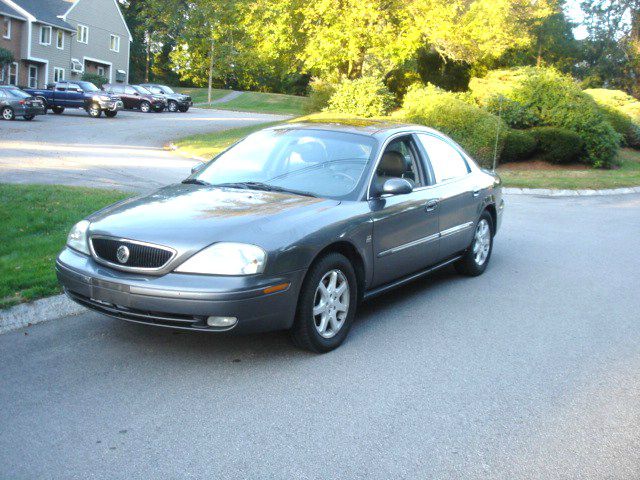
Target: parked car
[15,102]
[136,97]
[175,101]
[85,95]
[288,229]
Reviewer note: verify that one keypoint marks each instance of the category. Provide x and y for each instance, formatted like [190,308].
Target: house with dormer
[54,40]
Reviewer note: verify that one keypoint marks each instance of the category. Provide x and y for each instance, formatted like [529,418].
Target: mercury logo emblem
[122,254]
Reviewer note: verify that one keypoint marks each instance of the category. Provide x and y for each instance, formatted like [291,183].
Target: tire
[476,258]
[28,118]
[57,110]
[172,106]
[145,107]
[158,109]
[8,113]
[44,102]
[94,110]
[327,329]
[183,109]
[111,113]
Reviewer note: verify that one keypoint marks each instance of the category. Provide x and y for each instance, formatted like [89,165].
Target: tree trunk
[148,57]
[210,71]
[635,48]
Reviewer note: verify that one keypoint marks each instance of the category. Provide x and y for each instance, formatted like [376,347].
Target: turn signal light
[276,288]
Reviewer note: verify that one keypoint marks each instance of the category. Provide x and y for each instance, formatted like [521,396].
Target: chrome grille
[140,255]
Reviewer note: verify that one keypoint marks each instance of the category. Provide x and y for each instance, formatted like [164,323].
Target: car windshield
[16,92]
[167,89]
[316,162]
[141,90]
[88,87]
[154,89]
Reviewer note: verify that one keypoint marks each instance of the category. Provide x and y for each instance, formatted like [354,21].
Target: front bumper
[179,300]
[159,104]
[112,105]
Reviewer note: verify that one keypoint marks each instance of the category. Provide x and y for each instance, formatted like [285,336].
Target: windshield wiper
[265,187]
[195,181]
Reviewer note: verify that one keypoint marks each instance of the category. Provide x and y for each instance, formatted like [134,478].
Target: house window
[115,43]
[100,71]
[83,33]
[58,74]
[13,74]
[33,76]
[45,35]
[60,39]
[6,28]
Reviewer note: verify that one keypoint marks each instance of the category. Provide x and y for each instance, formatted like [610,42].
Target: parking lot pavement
[122,152]
[531,371]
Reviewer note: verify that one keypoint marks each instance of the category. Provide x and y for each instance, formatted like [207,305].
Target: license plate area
[109,292]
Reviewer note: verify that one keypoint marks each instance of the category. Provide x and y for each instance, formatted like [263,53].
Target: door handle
[431,205]
[476,192]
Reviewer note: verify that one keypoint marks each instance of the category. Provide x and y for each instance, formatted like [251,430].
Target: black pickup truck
[85,95]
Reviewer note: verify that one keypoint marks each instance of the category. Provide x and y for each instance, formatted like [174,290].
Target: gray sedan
[288,229]
[15,102]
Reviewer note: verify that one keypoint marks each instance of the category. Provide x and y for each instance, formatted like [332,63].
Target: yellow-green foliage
[622,111]
[472,127]
[363,97]
[545,97]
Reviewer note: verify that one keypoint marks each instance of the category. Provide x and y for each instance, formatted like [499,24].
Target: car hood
[190,217]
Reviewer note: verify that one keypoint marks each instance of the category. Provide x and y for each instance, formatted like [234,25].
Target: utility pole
[210,69]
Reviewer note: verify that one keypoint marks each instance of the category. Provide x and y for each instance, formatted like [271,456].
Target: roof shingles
[45,11]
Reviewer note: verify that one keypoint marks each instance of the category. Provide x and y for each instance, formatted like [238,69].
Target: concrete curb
[550,192]
[42,310]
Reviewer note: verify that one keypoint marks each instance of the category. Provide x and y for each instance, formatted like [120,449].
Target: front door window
[33,76]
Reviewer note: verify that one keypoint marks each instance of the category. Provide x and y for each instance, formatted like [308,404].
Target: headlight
[77,238]
[226,259]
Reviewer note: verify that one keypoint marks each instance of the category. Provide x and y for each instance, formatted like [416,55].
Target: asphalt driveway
[124,152]
[530,371]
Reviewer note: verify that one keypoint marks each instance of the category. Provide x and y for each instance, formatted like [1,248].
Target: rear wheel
[94,110]
[145,107]
[173,106]
[111,113]
[57,110]
[8,114]
[326,305]
[475,260]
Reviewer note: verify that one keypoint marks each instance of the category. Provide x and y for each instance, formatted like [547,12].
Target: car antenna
[495,150]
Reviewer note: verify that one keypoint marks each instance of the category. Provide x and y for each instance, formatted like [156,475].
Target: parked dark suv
[18,103]
[175,101]
[135,97]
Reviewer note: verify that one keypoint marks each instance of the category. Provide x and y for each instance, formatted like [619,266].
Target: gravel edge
[551,192]
[42,310]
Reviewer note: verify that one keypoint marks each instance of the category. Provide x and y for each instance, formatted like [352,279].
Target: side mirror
[396,186]
[197,167]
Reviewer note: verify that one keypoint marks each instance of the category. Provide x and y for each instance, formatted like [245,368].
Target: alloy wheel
[145,107]
[482,242]
[173,106]
[331,303]
[7,113]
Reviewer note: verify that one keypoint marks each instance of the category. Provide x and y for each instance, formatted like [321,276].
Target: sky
[573,11]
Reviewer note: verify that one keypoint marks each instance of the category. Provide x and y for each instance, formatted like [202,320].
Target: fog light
[222,321]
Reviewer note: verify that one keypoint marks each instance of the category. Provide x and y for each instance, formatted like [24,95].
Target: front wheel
[94,110]
[111,113]
[326,305]
[8,114]
[145,107]
[476,258]
[173,106]
[57,110]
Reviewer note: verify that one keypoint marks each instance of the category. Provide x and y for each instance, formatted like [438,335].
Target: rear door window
[446,161]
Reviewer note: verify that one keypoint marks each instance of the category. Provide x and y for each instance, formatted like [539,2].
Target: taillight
[22,102]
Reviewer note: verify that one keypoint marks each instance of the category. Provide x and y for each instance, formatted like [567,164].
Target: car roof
[363,126]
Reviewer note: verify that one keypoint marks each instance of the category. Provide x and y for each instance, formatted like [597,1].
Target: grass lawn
[199,95]
[265,103]
[35,222]
[628,175]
